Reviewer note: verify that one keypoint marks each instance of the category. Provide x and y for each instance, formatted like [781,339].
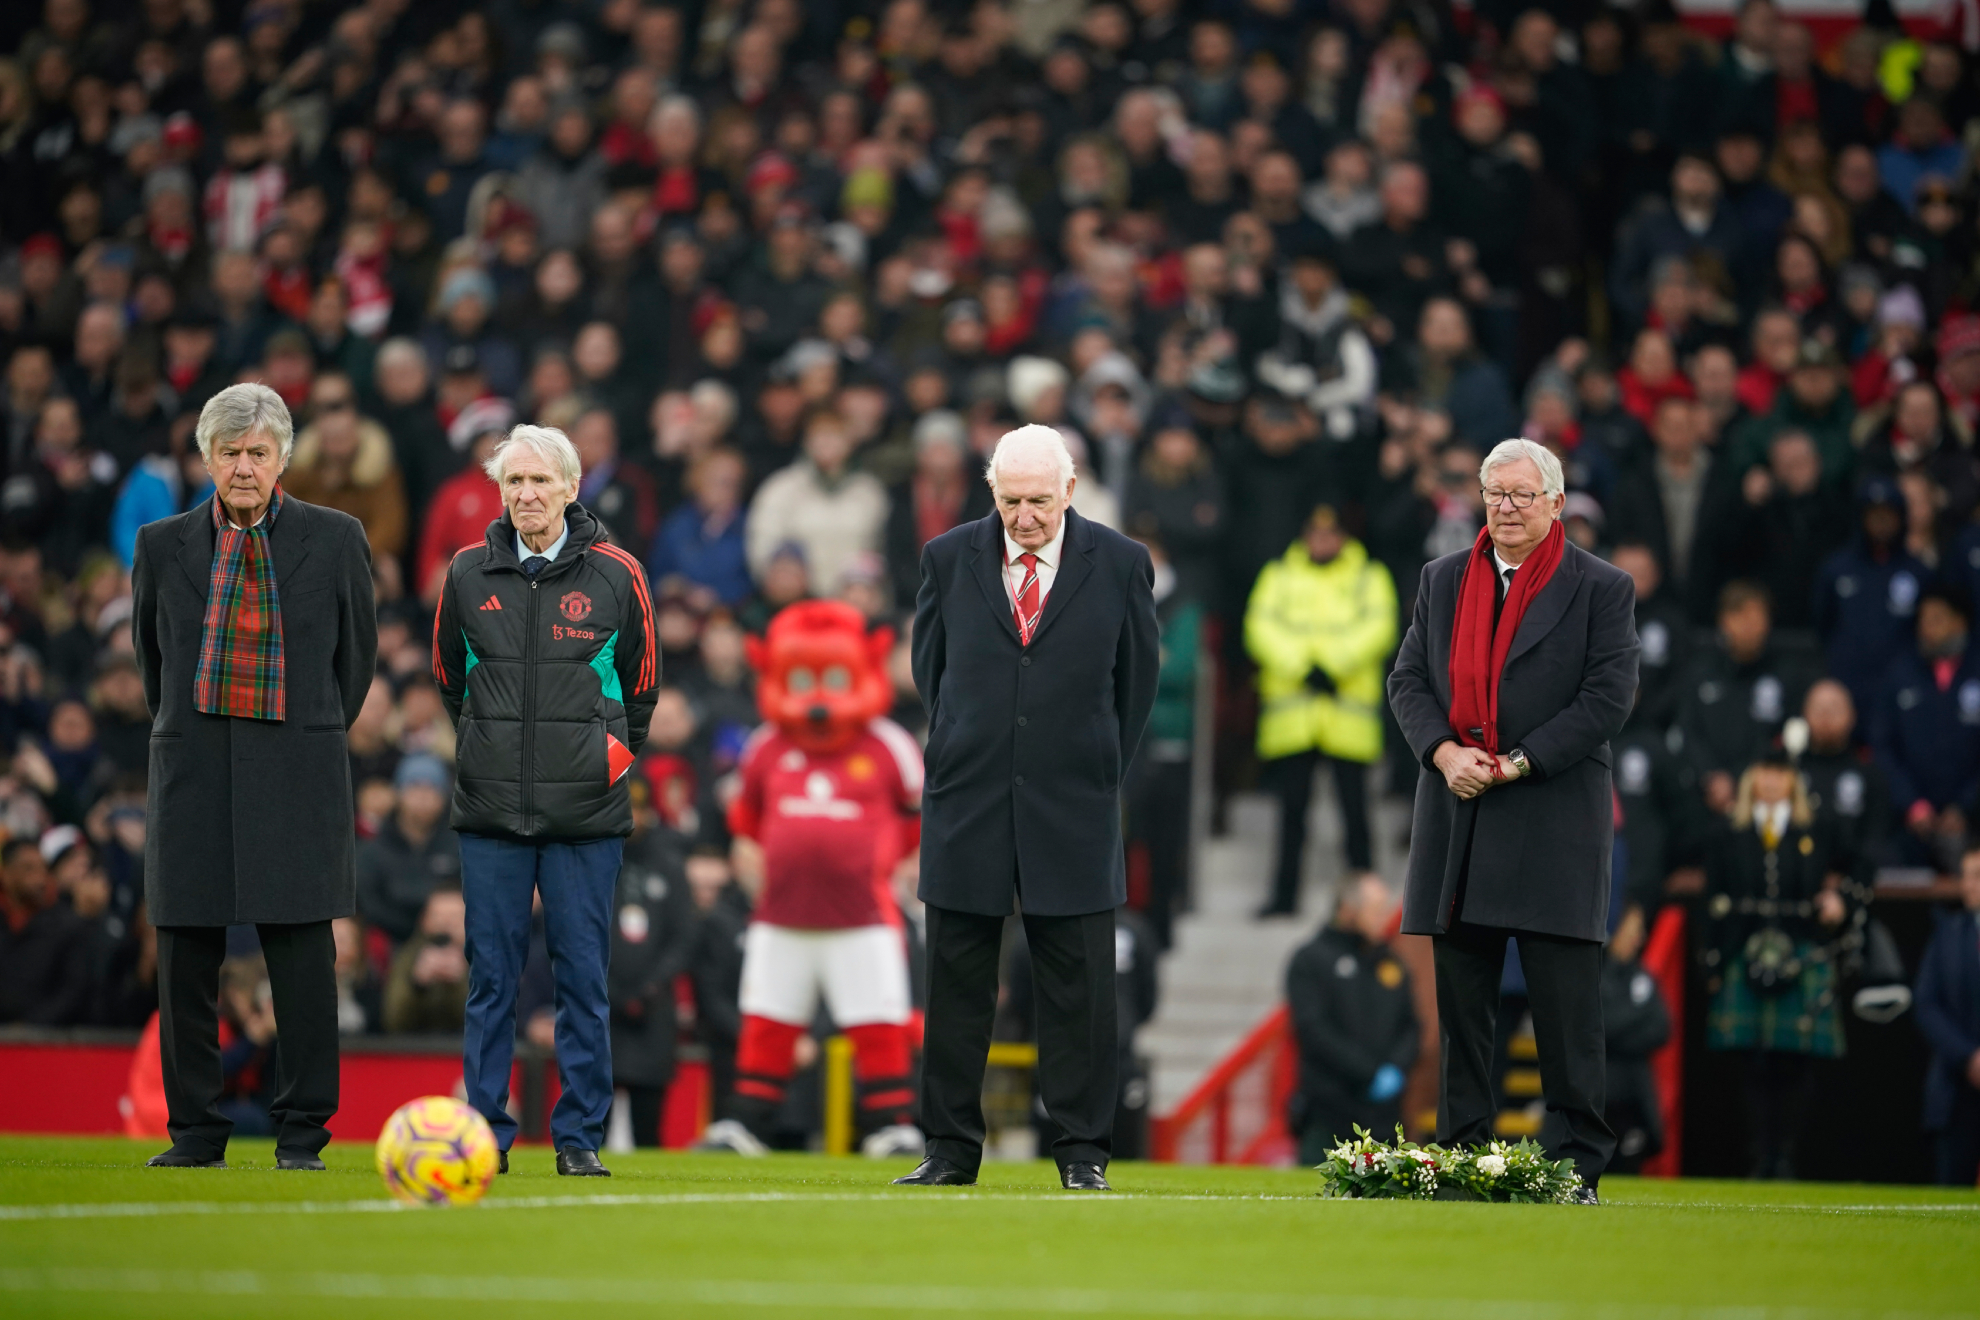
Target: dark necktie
[534,565]
[1505,590]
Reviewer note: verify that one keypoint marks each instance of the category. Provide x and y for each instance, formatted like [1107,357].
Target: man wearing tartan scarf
[240,654]
[256,632]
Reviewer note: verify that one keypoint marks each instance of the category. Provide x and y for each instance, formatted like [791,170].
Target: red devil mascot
[830,792]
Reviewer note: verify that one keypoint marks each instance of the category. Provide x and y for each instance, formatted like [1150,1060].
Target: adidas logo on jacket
[550,683]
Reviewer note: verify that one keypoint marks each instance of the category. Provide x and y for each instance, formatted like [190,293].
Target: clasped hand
[1469,771]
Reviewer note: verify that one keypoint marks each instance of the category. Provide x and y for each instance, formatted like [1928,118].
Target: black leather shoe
[503,1167]
[1083,1178]
[309,1162]
[575,1163]
[178,1159]
[1586,1196]
[937,1172]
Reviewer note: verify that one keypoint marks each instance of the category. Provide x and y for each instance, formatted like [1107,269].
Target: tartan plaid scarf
[240,654]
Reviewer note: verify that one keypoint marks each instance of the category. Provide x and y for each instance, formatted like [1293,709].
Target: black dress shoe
[1083,1178]
[575,1163]
[503,1167]
[309,1162]
[937,1172]
[178,1159]
[1586,1196]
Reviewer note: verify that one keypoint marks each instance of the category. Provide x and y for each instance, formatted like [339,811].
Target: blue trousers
[498,878]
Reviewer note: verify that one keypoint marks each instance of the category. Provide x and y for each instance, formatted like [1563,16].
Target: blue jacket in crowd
[1927,740]
[1865,611]
[1947,1000]
[714,558]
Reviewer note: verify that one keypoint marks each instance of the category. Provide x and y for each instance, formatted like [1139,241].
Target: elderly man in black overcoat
[1035,650]
[1519,666]
[253,621]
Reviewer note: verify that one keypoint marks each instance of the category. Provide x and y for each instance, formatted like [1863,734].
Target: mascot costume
[831,791]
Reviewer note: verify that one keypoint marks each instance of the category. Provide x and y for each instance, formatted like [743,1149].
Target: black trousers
[302,973]
[1564,991]
[1072,973]
[1957,1149]
[1291,779]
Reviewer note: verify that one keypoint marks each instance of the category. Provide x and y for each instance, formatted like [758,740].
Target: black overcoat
[1539,847]
[252,820]
[1027,744]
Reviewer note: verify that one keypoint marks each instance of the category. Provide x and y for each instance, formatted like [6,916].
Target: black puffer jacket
[541,678]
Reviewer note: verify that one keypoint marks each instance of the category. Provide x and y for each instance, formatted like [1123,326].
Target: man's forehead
[1521,471]
[1026,478]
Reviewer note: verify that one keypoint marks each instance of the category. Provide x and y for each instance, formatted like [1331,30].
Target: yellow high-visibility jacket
[1340,616]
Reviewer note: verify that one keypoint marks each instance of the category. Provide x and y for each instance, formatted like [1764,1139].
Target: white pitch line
[782,1295]
[164,1209]
[382,1205]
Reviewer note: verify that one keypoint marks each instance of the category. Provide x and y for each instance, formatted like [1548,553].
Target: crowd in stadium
[1281,270]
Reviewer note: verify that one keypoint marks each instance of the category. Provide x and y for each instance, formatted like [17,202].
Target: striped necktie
[1027,599]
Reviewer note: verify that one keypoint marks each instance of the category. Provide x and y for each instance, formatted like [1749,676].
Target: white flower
[1492,1166]
[1423,1157]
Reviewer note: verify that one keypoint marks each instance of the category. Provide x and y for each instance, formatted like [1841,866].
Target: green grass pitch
[86,1231]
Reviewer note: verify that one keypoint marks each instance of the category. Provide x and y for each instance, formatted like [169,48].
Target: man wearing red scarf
[1519,666]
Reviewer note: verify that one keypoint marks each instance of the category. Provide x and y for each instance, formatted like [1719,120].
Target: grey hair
[1032,442]
[243,409]
[547,443]
[1512,451]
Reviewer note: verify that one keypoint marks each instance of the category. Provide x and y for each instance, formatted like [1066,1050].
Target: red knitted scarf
[1478,650]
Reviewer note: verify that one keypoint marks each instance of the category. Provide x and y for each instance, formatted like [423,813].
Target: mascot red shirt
[830,792]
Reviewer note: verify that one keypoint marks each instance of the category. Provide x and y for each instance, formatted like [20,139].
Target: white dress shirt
[1048,566]
[549,552]
[1503,568]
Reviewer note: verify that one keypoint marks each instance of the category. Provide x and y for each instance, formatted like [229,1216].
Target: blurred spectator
[1791,517]
[722,906]
[412,853]
[1844,783]
[1354,1022]
[1866,594]
[247,1046]
[702,540]
[652,944]
[1948,1004]
[344,461]
[1320,625]
[1739,692]
[944,491]
[1662,630]
[46,977]
[1636,1022]
[360,1010]
[1677,501]
[830,512]
[427,988]
[1926,729]
[621,494]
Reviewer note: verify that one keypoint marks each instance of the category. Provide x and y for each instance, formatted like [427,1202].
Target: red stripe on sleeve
[650,657]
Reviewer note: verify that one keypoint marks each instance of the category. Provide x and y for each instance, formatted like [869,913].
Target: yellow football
[437,1151]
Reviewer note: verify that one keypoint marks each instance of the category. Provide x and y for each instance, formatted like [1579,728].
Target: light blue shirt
[555,548]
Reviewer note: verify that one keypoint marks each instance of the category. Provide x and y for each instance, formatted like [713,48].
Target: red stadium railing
[1237,1113]
[1665,954]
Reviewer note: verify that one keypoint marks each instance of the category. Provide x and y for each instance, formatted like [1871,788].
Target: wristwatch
[1518,757]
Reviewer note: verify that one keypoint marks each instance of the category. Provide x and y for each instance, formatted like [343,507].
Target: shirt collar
[1048,554]
[267,517]
[555,548]
[1501,564]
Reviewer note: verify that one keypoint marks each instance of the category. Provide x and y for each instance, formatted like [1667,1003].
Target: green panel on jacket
[608,676]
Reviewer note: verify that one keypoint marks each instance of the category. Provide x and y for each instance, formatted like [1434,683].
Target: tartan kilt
[1805,1018]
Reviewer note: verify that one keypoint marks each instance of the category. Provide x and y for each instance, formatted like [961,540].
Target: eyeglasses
[1521,499]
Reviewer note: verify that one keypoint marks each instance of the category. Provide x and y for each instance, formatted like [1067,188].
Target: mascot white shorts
[862,971]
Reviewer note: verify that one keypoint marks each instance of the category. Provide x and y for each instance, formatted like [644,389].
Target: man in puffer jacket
[1321,621]
[544,651]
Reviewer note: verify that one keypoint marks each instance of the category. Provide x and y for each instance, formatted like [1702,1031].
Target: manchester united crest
[576,606]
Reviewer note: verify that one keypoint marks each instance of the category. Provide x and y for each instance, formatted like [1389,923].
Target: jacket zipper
[529,716]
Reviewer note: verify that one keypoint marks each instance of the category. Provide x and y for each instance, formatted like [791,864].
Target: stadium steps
[1227,971]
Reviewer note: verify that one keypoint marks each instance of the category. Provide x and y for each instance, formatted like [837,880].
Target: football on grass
[437,1151]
